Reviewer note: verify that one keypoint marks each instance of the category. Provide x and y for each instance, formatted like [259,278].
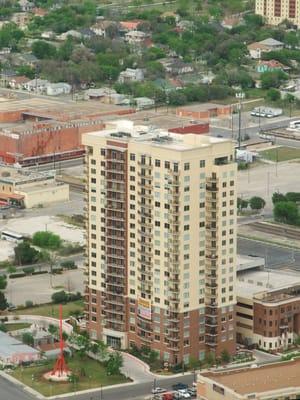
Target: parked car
[179,386]
[192,392]
[184,393]
[158,390]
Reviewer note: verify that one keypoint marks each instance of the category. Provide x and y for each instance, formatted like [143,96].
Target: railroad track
[279,230]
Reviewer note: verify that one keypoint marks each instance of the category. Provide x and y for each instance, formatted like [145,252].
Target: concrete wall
[45,195]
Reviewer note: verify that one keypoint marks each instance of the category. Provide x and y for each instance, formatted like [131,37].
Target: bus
[12,236]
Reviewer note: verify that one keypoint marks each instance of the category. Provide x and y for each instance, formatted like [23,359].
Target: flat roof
[260,379]
[10,346]
[158,119]
[252,282]
[125,130]
[203,106]
[14,175]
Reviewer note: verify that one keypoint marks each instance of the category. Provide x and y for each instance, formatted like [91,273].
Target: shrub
[69,264]
[70,249]
[47,240]
[28,270]
[60,297]
[39,272]
[28,303]
[17,275]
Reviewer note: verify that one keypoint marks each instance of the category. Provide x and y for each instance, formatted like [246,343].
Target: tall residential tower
[276,11]
[161,241]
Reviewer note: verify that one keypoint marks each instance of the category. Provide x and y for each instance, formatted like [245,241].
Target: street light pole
[240,96]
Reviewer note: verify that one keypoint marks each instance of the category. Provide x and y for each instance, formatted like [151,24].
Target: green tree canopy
[286,212]
[42,49]
[47,240]
[257,203]
[25,254]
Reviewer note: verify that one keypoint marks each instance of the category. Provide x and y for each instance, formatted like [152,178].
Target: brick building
[204,111]
[276,11]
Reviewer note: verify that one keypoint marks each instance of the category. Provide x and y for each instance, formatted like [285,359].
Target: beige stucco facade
[276,11]
[175,199]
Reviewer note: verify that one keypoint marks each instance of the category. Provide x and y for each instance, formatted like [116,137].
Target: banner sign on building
[144,308]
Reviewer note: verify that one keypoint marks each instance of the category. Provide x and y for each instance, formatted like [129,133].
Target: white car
[158,390]
[184,394]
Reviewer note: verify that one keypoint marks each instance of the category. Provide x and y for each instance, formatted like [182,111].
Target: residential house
[39,12]
[17,82]
[231,22]
[131,75]
[265,46]
[271,65]
[136,37]
[55,89]
[104,28]
[48,35]
[5,50]
[26,5]
[72,33]
[21,19]
[170,14]
[98,93]
[144,102]
[126,26]
[87,33]
[185,25]
[175,66]
[36,85]
[12,351]
[25,59]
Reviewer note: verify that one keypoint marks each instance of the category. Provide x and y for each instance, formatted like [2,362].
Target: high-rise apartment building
[276,11]
[161,241]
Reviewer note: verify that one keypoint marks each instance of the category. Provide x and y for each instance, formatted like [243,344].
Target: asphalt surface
[8,391]
[275,256]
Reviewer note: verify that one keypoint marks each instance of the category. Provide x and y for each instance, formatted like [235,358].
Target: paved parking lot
[38,289]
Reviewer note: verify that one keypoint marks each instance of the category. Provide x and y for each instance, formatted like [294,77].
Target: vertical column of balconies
[86,236]
[173,329]
[115,240]
[211,267]
[145,245]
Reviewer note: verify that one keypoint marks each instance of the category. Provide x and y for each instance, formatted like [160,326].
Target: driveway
[261,357]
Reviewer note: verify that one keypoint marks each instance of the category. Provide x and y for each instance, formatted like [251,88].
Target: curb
[22,385]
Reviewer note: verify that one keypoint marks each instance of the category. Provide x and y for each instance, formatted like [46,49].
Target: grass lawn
[281,154]
[16,326]
[91,374]
[52,310]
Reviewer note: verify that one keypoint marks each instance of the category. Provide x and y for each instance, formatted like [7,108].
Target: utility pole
[240,96]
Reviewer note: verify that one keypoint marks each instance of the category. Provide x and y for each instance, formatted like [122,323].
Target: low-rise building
[136,37]
[105,28]
[55,89]
[36,85]
[131,75]
[270,66]
[256,49]
[268,308]
[18,82]
[144,102]
[175,66]
[274,381]
[14,352]
[25,188]
[204,111]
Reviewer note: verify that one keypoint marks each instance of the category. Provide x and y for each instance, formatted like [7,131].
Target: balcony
[211,321]
[212,188]
[211,343]
[211,332]
[116,302]
[173,328]
[173,338]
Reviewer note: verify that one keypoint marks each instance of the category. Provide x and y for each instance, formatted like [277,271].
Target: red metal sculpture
[60,367]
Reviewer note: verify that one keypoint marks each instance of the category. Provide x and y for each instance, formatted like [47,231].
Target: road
[253,129]
[275,256]
[8,391]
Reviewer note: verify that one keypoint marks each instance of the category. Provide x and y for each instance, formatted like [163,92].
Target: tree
[25,254]
[27,338]
[60,297]
[273,95]
[210,359]
[3,282]
[257,203]
[3,302]
[193,363]
[286,212]
[293,196]
[42,49]
[276,197]
[114,363]
[47,240]
[3,327]
[272,79]
[225,356]
[241,203]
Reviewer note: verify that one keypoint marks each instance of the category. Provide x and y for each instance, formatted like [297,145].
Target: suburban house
[17,82]
[98,94]
[14,352]
[48,35]
[103,28]
[36,85]
[170,14]
[126,26]
[136,37]
[24,59]
[21,19]
[39,12]
[26,5]
[72,33]
[87,33]
[175,66]
[131,75]
[55,89]
[144,102]
[231,22]
[271,65]
[265,46]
